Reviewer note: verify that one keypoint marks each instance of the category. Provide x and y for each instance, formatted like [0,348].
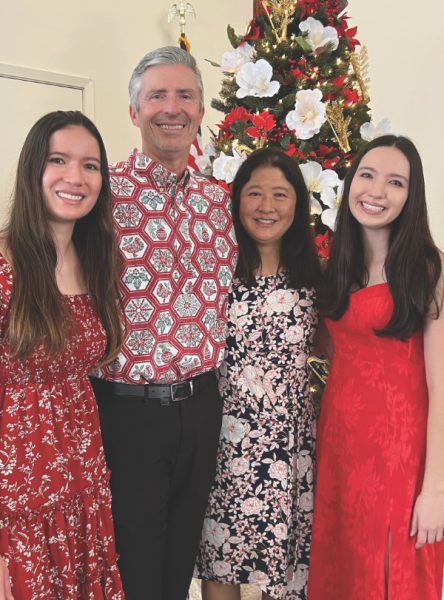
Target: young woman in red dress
[58,319]
[379,500]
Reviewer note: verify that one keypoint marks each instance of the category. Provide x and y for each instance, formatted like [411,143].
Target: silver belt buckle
[174,398]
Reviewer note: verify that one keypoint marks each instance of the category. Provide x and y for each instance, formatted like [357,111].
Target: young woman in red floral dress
[58,320]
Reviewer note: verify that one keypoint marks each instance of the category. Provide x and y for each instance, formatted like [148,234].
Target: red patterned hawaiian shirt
[178,243]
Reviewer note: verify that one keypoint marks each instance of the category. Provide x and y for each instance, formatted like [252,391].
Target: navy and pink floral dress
[257,528]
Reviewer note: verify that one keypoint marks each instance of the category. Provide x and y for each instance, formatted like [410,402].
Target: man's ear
[134,115]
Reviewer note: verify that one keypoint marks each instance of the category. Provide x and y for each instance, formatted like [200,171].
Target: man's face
[169,113]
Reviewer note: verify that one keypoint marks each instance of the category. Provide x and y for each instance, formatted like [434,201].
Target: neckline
[370,287]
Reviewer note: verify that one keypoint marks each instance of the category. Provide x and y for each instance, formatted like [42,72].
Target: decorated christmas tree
[295,80]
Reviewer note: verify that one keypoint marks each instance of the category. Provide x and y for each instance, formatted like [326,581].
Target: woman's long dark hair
[412,265]
[36,310]
[298,257]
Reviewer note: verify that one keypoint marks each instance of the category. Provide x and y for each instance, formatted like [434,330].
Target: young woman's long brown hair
[412,265]
[36,311]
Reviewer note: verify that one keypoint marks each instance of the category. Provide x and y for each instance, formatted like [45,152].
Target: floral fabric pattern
[371,455]
[56,531]
[257,528]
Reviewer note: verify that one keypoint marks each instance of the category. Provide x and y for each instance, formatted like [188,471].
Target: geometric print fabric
[179,249]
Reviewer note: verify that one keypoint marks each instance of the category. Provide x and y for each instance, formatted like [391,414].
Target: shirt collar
[164,177]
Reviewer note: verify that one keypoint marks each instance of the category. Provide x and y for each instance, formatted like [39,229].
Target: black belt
[165,392]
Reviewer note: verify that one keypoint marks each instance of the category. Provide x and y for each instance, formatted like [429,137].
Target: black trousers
[162,461]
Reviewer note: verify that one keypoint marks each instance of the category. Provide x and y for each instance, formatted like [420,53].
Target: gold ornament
[181,9]
[318,369]
[359,62]
[279,13]
[241,149]
[339,124]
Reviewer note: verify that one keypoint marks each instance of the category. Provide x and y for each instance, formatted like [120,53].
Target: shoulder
[208,187]
[122,167]
[5,280]
[439,291]
[119,168]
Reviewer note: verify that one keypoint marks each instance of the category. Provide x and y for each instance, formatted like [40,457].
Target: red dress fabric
[371,453]
[56,531]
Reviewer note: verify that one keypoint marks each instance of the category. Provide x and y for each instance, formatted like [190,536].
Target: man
[159,404]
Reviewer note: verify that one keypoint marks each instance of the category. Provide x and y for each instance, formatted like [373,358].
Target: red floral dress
[371,452]
[56,530]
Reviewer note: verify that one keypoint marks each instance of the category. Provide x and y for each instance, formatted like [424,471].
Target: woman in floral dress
[258,523]
[58,319]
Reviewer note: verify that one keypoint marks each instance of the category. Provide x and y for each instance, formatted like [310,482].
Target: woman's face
[380,187]
[72,179]
[267,207]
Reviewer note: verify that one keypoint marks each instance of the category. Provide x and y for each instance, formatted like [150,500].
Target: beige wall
[91,38]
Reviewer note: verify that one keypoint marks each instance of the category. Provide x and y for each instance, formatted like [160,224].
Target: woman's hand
[428,518]
[5,584]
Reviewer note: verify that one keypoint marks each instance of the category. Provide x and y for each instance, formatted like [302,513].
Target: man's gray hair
[169,55]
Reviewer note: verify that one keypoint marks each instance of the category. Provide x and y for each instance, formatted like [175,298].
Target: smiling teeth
[172,126]
[372,207]
[266,221]
[69,196]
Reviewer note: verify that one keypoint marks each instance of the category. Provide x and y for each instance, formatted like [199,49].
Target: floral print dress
[257,528]
[56,530]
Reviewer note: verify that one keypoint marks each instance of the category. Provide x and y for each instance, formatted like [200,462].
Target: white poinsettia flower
[321,182]
[203,161]
[225,167]
[315,206]
[370,131]
[328,217]
[308,115]
[254,79]
[319,36]
[232,61]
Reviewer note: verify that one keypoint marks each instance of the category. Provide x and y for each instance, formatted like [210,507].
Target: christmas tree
[295,80]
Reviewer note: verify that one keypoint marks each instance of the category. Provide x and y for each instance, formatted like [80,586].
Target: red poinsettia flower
[330,163]
[262,124]
[350,96]
[237,114]
[323,243]
[291,149]
[308,7]
[352,41]
[298,74]
[339,81]
[348,32]
[254,32]
[324,150]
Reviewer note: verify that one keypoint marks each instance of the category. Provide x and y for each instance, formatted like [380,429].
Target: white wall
[92,38]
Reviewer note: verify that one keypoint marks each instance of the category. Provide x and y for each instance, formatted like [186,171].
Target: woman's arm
[428,514]
[5,586]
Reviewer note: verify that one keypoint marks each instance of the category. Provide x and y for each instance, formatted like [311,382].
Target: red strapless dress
[371,452]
